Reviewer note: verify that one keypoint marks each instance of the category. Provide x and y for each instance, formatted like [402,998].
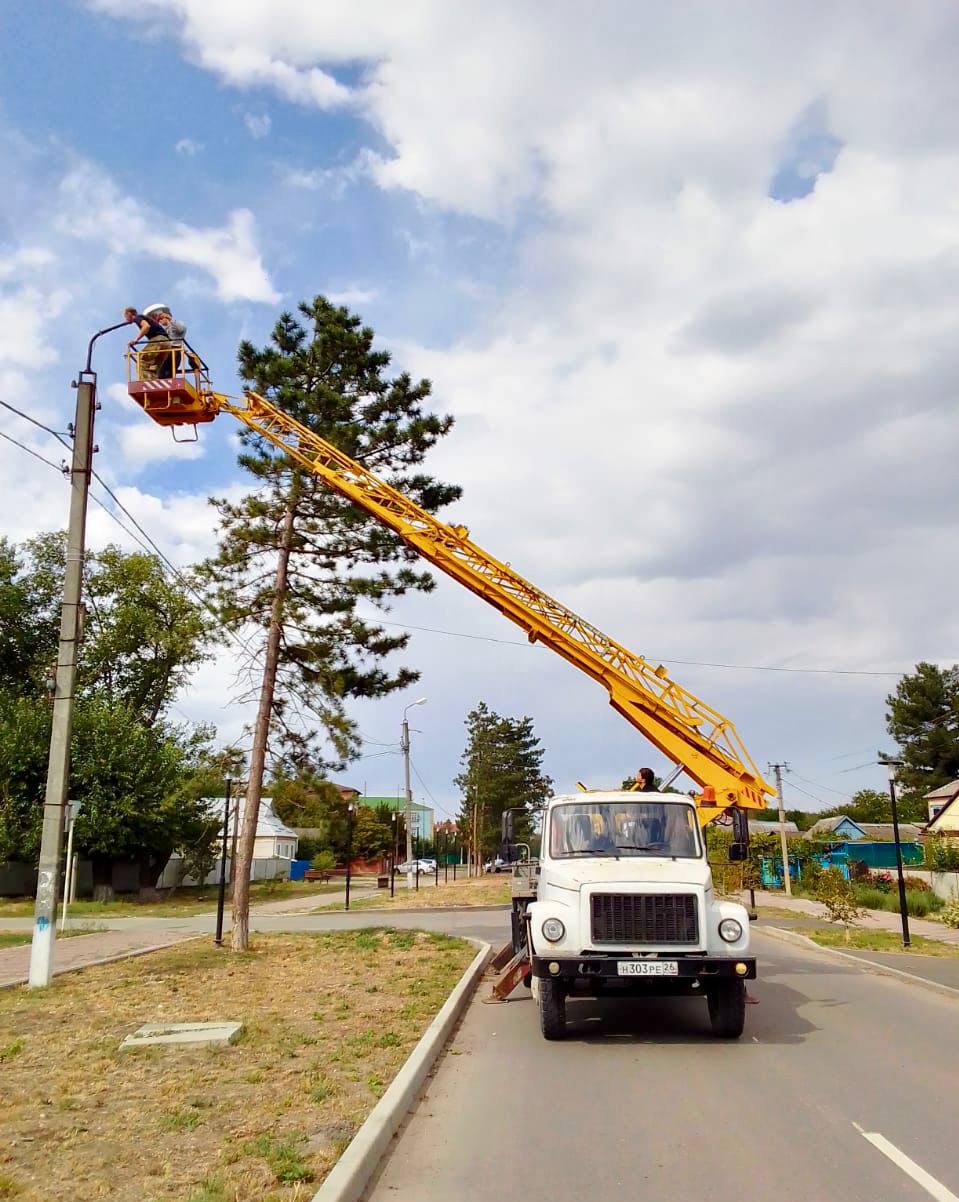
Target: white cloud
[95,209]
[719,425]
[257,126]
[353,296]
[188,147]
[333,180]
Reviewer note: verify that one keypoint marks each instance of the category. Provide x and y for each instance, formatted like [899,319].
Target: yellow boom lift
[684,728]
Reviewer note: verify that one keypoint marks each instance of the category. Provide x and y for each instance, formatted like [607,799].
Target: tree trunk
[240,937]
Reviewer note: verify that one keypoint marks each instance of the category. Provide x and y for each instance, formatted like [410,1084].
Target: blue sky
[685,280]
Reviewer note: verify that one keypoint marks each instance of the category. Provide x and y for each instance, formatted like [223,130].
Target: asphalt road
[842,1088]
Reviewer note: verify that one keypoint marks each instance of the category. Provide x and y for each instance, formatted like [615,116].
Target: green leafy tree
[305,800]
[131,780]
[28,621]
[923,717]
[502,768]
[299,562]
[371,838]
[839,897]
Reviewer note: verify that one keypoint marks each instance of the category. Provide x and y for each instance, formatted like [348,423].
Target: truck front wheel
[727,1008]
[552,1009]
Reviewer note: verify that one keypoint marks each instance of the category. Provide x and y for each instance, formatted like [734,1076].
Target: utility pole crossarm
[683,727]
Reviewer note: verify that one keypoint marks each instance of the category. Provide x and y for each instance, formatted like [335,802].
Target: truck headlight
[553,930]
[730,930]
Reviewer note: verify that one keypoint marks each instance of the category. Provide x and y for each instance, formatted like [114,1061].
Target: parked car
[421,866]
[497,865]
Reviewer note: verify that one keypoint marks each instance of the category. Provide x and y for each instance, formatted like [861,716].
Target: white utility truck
[623,904]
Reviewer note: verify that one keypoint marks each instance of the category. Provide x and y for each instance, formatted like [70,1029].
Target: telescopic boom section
[685,729]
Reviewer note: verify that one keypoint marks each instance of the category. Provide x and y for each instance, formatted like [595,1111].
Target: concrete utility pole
[893,766]
[405,744]
[71,620]
[779,769]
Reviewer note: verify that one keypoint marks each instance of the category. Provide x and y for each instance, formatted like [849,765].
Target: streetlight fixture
[892,765]
[405,744]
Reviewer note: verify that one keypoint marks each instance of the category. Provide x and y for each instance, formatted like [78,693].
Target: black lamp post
[349,848]
[221,894]
[892,765]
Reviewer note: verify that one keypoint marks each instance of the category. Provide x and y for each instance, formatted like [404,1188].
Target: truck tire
[552,1009]
[727,1009]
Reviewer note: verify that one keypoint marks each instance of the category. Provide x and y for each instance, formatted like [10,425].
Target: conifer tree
[502,768]
[298,562]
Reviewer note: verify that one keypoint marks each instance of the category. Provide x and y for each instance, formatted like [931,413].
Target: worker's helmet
[155,308]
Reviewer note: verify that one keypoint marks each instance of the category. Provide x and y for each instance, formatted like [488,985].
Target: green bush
[919,903]
[942,855]
[950,912]
[324,861]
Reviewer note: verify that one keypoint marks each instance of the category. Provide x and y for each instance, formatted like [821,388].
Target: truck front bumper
[604,968]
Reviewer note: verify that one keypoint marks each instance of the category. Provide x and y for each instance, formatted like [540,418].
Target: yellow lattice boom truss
[684,728]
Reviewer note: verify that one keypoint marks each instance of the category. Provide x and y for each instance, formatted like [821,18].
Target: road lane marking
[932,1187]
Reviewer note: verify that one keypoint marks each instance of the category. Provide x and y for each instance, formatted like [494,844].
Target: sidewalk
[84,950]
[133,936]
[876,920]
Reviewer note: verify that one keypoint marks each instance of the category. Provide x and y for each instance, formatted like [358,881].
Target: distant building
[945,822]
[421,823]
[938,799]
[845,829]
[761,826]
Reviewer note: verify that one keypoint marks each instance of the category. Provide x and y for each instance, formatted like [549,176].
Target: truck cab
[625,906]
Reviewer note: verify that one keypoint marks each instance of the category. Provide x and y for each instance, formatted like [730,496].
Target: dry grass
[328,1019]
[491,890]
[183,903]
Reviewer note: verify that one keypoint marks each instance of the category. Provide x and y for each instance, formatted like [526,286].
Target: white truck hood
[641,871]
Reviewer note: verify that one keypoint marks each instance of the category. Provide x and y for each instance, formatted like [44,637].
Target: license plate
[648,968]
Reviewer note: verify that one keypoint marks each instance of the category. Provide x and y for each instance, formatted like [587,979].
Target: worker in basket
[164,336]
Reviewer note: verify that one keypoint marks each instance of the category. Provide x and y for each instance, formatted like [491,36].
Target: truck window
[624,828]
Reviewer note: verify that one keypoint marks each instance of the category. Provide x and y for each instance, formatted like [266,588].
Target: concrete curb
[130,955]
[881,970]
[352,1172]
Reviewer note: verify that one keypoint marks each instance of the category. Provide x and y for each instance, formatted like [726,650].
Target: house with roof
[761,826]
[844,828]
[274,845]
[945,821]
[870,842]
[421,817]
[938,799]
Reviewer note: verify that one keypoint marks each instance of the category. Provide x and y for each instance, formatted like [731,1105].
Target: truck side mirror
[740,825]
[508,827]
[738,852]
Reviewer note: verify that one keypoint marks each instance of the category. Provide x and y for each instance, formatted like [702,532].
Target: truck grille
[644,918]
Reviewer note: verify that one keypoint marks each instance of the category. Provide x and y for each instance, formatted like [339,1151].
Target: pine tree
[502,765]
[923,718]
[298,561]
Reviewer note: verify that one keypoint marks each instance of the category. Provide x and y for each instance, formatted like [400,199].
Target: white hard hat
[156,308]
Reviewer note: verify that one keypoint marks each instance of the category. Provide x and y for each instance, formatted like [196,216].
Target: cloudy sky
[687,275]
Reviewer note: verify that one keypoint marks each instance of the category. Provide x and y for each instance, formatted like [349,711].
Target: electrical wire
[436,804]
[33,422]
[23,447]
[818,784]
[689,663]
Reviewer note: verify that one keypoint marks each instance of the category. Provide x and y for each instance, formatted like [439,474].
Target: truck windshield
[624,828]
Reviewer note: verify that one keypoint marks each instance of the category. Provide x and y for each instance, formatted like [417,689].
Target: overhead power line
[426,790]
[23,447]
[690,663]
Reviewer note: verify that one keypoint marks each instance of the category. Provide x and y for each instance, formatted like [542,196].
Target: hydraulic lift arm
[683,727]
